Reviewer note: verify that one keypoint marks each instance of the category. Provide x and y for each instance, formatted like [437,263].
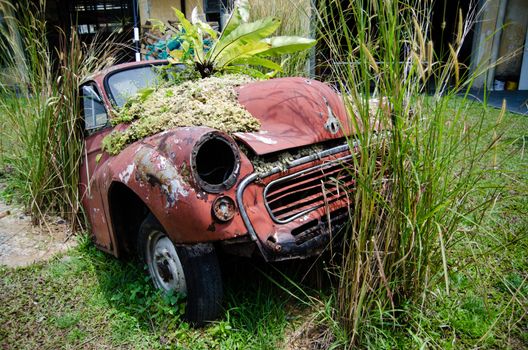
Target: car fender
[157,170]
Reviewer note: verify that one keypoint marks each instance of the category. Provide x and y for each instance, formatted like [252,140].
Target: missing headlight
[215,163]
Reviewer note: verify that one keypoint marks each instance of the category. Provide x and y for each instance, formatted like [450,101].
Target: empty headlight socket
[215,162]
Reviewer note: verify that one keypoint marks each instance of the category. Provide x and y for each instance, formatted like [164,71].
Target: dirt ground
[21,243]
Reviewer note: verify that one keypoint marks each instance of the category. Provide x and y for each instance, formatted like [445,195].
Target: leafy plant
[241,46]
[296,19]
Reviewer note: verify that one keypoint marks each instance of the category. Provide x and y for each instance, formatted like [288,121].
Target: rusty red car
[180,196]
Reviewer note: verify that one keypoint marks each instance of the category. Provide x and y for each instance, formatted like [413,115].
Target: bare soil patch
[22,243]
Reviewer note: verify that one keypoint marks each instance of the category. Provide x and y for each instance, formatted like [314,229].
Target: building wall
[162,9]
[499,38]
[157,9]
[512,40]
[483,41]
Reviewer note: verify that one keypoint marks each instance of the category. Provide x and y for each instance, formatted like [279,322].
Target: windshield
[126,83]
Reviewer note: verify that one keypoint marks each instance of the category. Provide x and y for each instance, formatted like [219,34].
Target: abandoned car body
[179,195]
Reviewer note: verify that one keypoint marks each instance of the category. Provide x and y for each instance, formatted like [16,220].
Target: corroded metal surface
[294,112]
[156,169]
[304,235]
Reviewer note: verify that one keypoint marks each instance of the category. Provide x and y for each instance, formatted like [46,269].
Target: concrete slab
[516,101]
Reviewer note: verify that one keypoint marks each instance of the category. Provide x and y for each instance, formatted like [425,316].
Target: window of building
[101,15]
[214,9]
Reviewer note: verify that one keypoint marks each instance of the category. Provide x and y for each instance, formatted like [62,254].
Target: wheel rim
[164,264]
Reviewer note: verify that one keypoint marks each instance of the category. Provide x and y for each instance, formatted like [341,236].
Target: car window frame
[106,85]
[91,131]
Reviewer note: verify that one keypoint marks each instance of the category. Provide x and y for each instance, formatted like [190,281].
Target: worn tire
[201,272]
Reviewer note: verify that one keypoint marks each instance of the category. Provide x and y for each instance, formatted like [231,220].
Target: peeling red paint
[293,113]
[159,170]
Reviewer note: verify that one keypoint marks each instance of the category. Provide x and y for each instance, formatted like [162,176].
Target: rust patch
[271,242]
[156,170]
[199,249]
[185,172]
[224,208]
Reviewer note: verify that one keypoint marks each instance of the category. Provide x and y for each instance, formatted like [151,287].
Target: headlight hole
[215,163]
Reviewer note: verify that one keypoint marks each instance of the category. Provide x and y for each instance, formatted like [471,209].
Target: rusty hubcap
[164,264]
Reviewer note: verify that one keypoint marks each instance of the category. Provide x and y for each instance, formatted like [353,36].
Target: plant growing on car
[296,19]
[239,48]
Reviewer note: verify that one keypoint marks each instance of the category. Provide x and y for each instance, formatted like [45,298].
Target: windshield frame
[106,83]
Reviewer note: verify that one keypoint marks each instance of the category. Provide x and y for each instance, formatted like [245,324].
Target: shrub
[240,46]
[40,111]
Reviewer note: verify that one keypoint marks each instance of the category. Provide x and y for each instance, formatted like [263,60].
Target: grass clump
[211,102]
[39,109]
[430,182]
[486,304]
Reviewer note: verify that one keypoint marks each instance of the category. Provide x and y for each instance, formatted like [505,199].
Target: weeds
[416,187]
[40,108]
[210,102]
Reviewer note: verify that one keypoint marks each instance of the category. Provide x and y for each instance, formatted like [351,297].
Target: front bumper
[294,212]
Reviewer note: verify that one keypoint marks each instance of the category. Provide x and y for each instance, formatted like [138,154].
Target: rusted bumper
[293,213]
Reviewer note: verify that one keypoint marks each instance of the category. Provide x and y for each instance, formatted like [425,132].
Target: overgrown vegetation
[39,104]
[239,47]
[41,132]
[295,20]
[428,183]
[90,300]
[435,256]
[86,299]
[210,102]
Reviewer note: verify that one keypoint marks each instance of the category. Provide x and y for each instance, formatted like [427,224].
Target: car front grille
[332,222]
[297,194]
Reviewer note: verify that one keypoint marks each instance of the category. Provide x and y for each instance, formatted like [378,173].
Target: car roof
[102,73]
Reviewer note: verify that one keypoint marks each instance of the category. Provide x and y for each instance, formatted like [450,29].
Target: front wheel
[190,270]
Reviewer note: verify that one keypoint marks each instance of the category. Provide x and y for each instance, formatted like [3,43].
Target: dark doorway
[93,19]
[444,26]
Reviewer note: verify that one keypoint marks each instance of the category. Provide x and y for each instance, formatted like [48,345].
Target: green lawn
[487,304]
[86,299]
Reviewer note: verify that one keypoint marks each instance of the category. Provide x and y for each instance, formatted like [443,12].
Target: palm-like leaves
[241,44]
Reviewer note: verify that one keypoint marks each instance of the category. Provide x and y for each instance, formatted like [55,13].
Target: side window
[93,110]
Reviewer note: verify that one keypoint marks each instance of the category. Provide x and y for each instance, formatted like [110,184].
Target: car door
[96,125]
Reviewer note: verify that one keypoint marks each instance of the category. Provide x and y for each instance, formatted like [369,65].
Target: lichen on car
[210,102]
[282,160]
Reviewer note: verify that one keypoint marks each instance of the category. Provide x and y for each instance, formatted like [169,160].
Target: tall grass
[296,19]
[40,109]
[415,179]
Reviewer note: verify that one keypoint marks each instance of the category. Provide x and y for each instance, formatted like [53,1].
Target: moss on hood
[211,102]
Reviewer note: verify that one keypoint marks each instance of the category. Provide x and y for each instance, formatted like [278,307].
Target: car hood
[293,112]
